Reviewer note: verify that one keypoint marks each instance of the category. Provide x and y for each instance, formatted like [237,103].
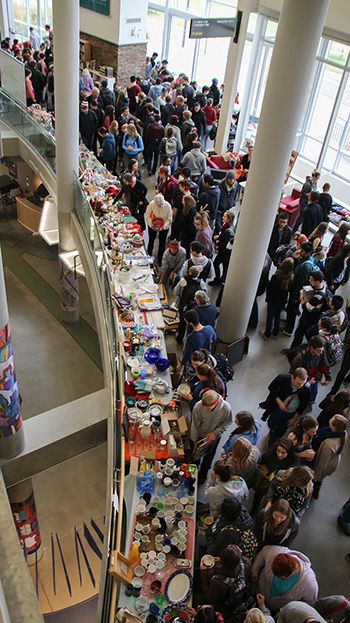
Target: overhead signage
[212,27]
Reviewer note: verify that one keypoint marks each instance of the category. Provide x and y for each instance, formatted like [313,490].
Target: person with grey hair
[207,311]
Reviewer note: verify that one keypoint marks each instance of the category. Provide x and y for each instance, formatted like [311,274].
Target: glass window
[181,47]
[210,65]
[343,166]
[252,23]
[218,9]
[341,121]
[49,12]
[323,101]
[261,80]
[330,159]
[337,52]
[33,13]
[271,30]
[197,7]
[21,30]
[310,149]
[155,27]
[20,10]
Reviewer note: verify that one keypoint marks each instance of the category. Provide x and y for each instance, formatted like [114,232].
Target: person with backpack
[227,586]
[196,161]
[109,148]
[132,143]
[185,292]
[199,337]
[314,299]
[232,527]
[302,270]
[334,346]
[153,137]
[197,258]
[166,184]
[170,147]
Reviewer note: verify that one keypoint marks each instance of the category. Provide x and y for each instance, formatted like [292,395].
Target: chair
[290,205]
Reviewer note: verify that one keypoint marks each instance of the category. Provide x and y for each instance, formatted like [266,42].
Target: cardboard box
[174,423]
[175,376]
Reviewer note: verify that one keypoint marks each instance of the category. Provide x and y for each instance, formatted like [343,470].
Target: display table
[28,214]
[161,519]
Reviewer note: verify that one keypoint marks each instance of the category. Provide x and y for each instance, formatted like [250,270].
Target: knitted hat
[209,398]
[174,118]
[84,105]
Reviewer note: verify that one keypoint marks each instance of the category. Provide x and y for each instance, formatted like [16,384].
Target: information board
[212,27]
[99,6]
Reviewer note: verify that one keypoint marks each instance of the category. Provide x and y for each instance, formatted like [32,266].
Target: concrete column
[11,428]
[16,584]
[22,502]
[233,66]
[298,36]
[66,28]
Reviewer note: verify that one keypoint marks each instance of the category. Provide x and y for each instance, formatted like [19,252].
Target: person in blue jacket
[247,426]
[132,143]
[200,337]
[109,148]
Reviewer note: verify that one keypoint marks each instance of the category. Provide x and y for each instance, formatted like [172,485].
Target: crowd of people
[161,125]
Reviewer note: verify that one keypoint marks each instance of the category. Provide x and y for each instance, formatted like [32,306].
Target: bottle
[134,553]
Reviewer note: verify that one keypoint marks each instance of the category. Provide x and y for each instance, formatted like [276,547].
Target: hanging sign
[212,27]
[99,6]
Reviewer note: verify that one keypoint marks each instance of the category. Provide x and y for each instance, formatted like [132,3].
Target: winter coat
[298,498]
[227,196]
[209,200]
[205,236]
[199,121]
[302,272]
[207,313]
[305,589]
[206,265]
[87,123]
[313,216]
[135,143]
[275,294]
[278,238]
[252,436]
[109,149]
[217,491]
[228,531]
[205,421]
[186,128]
[327,459]
[107,97]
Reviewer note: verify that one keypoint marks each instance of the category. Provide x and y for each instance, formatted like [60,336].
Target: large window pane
[49,12]
[33,13]
[343,166]
[337,135]
[21,30]
[155,27]
[19,10]
[210,65]
[311,149]
[271,30]
[218,9]
[323,101]
[261,80]
[181,47]
[330,158]
[197,7]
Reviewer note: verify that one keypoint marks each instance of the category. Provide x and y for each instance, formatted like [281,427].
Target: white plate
[178,587]
[133,362]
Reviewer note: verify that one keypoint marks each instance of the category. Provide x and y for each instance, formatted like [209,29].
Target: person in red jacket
[211,118]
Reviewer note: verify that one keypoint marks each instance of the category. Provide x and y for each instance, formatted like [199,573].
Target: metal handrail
[9,107]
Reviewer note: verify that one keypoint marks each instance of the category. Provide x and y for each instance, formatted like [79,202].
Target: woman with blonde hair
[204,233]
[260,614]
[244,459]
[132,143]
[293,485]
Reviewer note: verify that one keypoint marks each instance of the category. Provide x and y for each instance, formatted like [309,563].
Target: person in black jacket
[281,234]
[228,527]
[87,124]
[214,92]
[209,198]
[277,296]
[38,82]
[106,95]
[309,185]
[314,300]
[135,193]
[199,120]
[338,269]
[186,290]
[313,215]
[325,200]
[289,395]
[222,242]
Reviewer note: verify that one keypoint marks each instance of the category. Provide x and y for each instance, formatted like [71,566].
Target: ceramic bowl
[189,510]
[139,571]
[162,364]
[152,355]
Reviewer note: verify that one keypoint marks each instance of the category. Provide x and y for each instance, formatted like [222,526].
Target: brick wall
[125,59]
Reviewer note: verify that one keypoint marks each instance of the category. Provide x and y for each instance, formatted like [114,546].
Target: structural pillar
[66,28]
[298,35]
[233,66]
[11,427]
[22,502]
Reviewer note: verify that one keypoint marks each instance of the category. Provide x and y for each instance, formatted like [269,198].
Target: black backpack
[239,601]
[223,367]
